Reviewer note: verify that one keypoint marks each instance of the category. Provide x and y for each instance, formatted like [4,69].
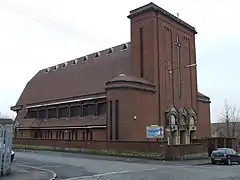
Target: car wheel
[229,161]
[214,162]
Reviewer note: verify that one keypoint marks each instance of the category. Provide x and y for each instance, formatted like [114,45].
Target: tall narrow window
[81,110]
[69,135]
[73,133]
[76,135]
[89,109]
[110,119]
[141,52]
[63,112]
[52,112]
[75,111]
[42,113]
[48,135]
[35,135]
[107,119]
[91,135]
[63,135]
[60,134]
[87,132]
[83,135]
[117,114]
[101,108]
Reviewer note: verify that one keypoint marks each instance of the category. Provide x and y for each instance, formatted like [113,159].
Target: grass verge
[152,156]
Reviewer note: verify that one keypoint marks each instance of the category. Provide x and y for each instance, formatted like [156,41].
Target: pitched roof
[87,76]
[203,98]
[80,77]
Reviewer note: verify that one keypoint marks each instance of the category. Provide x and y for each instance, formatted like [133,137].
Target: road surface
[27,173]
[74,167]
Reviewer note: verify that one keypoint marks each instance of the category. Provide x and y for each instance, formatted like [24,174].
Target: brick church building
[114,94]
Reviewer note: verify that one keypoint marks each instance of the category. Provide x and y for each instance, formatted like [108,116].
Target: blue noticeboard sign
[155,132]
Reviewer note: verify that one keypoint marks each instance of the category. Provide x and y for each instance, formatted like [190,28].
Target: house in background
[221,130]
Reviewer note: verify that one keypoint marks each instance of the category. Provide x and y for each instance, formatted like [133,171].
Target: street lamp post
[187,66]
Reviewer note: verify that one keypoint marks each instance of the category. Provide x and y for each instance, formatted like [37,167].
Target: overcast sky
[35,34]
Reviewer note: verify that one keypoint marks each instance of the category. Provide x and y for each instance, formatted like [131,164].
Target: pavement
[27,173]
[67,166]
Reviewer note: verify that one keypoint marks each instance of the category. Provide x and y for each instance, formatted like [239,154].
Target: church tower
[163,52]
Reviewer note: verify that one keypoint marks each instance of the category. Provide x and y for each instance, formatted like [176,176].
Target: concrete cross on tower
[178,44]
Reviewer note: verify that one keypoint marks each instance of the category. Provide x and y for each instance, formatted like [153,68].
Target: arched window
[173,119]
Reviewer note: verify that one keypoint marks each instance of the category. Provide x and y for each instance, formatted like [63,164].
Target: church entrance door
[182,137]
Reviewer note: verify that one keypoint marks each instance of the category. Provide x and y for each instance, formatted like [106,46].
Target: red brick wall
[99,134]
[185,149]
[203,120]
[132,103]
[121,146]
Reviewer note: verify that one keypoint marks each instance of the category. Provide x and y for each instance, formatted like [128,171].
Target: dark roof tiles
[84,77]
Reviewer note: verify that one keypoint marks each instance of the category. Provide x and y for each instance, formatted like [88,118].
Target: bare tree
[235,120]
[230,116]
